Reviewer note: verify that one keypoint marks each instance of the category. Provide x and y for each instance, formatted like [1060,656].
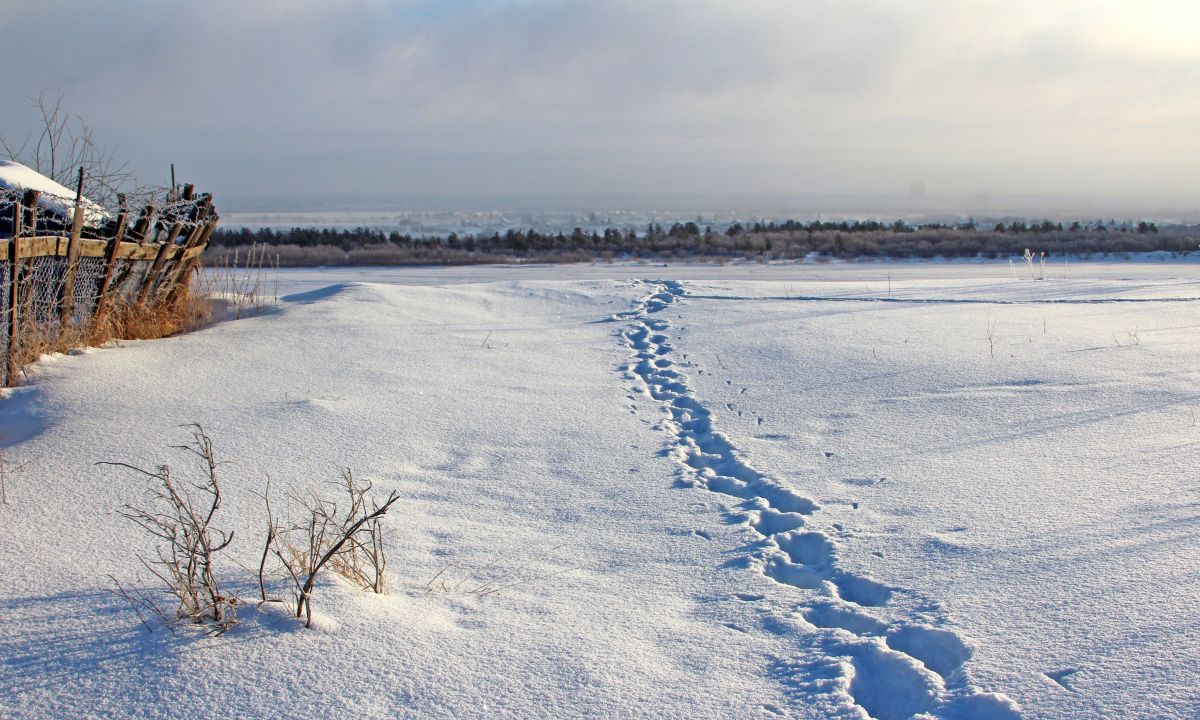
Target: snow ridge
[887,667]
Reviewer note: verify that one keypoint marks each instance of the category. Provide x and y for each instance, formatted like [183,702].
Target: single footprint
[862,591]
[940,650]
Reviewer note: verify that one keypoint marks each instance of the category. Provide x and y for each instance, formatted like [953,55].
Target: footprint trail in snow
[882,654]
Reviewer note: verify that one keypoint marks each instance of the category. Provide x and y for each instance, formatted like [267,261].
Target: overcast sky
[533,97]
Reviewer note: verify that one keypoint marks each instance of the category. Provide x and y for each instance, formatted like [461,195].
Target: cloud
[536,96]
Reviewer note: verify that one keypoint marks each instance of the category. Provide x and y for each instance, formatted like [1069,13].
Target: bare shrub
[363,560]
[344,536]
[180,516]
[348,540]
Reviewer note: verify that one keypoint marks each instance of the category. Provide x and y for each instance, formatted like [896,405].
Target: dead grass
[125,320]
[242,286]
[245,282]
[120,319]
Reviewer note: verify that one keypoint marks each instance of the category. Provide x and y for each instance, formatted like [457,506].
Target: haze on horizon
[470,98]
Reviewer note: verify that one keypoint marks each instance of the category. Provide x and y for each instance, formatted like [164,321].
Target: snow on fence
[62,268]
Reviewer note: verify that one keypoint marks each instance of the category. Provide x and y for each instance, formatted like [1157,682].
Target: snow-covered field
[838,491]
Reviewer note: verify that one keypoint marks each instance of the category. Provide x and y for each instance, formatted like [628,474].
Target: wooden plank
[67,299]
[41,247]
[90,247]
[50,245]
[137,251]
[14,295]
[111,262]
[164,250]
[195,252]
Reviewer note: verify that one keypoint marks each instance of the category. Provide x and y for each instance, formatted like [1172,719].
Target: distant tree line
[789,240]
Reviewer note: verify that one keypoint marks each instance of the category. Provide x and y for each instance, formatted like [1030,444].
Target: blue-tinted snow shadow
[311,296]
[225,310]
[22,416]
[58,649]
[75,635]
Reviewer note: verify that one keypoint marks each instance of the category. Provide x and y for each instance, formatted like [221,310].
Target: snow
[57,197]
[754,491]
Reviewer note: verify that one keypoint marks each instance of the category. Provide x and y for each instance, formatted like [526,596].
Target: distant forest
[762,242]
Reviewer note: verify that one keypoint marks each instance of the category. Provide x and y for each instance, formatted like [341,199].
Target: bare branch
[350,542]
[185,559]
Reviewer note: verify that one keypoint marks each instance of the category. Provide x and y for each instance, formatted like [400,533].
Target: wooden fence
[58,278]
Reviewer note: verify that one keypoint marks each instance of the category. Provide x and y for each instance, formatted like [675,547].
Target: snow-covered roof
[55,196]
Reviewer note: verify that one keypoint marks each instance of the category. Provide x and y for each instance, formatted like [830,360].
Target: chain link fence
[59,279]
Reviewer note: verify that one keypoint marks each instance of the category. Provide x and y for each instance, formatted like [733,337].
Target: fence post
[172,275]
[183,271]
[14,297]
[67,301]
[152,275]
[110,262]
[30,201]
[199,213]
[142,227]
